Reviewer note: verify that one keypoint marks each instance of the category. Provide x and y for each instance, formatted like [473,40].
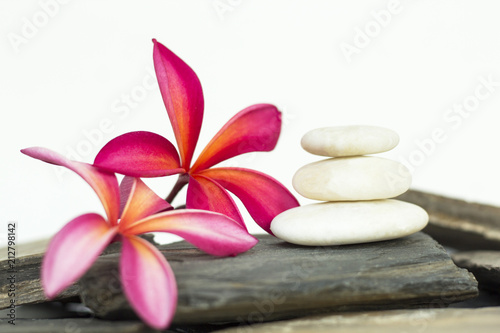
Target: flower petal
[139,154]
[126,186]
[148,282]
[183,98]
[104,183]
[73,250]
[212,232]
[141,201]
[256,128]
[262,195]
[204,193]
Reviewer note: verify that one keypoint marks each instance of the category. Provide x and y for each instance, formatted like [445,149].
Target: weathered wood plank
[79,325]
[458,223]
[280,280]
[27,285]
[484,320]
[485,265]
[27,249]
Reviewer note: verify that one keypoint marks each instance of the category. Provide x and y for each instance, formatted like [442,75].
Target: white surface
[340,141]
[337,223]
[352,178]
[73,77]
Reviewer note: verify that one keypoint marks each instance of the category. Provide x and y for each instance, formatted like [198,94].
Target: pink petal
[141,201]
[213,233]
[126,186]
[73,250]
[148,282]
[139,154]
[183,98]
[204,193]
[256,128]
[104,184]
[262,195]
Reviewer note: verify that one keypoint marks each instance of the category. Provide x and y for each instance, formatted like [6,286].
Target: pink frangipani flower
[132,209]
[146,154]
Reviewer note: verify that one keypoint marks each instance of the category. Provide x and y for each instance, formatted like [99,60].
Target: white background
[61,79]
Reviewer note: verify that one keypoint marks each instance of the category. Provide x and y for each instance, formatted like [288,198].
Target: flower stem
[181,182]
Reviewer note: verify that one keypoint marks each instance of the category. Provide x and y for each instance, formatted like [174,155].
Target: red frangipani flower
[132,209]
[146,154]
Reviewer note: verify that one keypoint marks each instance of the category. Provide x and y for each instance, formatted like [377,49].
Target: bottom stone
[338,223]
[277,280]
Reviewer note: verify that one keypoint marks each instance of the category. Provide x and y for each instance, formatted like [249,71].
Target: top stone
[343,141]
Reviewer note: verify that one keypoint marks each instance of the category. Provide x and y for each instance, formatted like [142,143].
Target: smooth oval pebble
[352,179]
[349,140]
[338,223]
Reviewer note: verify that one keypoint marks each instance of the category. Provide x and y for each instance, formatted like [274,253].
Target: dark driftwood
[28,289]
[76,325]
[280,280]
[485,265]
[457,223]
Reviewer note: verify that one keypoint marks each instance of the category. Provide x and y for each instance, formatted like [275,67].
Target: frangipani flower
[147,279]
[146,154]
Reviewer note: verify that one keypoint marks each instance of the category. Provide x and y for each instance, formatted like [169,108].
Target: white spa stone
[337,223]
[352,179]
[349,140]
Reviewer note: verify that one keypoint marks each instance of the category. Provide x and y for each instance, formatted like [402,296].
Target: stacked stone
[356,190]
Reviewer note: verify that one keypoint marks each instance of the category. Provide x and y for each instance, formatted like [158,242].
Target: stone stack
[356,190]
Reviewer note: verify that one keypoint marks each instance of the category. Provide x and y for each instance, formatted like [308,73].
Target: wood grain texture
[277,280]
[458,223]
[484,320]
[485,265]
[74,325]
[28,288]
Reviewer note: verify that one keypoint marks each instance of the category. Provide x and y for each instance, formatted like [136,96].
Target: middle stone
[352,179]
